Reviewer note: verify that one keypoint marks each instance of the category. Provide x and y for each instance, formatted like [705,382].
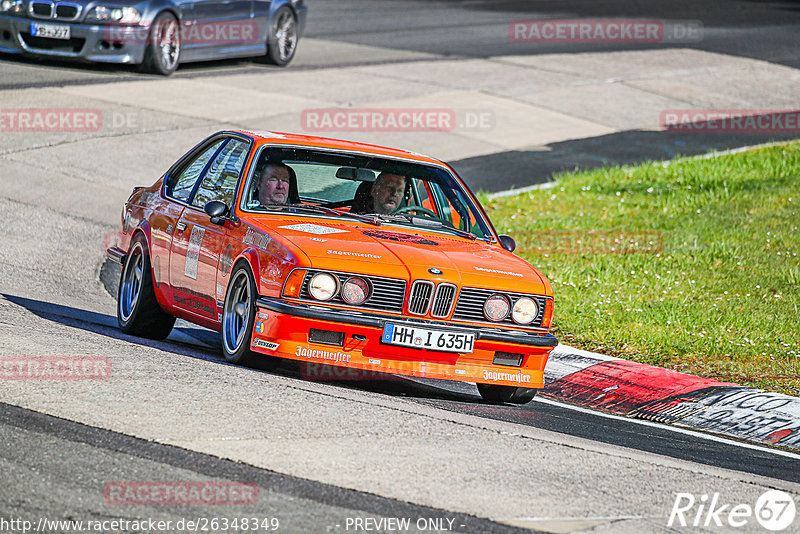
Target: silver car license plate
[51,31]
[425,338]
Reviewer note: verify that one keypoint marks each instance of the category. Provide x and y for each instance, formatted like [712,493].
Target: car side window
[180,187]
[219,183]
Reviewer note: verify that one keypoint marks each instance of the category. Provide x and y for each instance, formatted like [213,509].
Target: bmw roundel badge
[434,270]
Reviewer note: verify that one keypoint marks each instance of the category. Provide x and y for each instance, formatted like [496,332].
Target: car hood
[413,254]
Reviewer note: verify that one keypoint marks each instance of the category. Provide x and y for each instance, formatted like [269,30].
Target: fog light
[355,291]
[496,308]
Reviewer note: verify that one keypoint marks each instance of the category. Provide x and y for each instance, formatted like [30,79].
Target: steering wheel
[419,209]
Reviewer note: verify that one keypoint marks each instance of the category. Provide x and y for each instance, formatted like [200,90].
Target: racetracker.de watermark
[766,121]
[625,31]
[395,119]
[591,242]
[774,510]
[320,372]
[231,32]
[185,493]
[51,120]
[55,368]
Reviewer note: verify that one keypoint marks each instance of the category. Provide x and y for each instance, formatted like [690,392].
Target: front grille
[420,298]
[387,294]
[67,11]
[74,44]
[470,306]
[443,301]
[60,11]
[42,9]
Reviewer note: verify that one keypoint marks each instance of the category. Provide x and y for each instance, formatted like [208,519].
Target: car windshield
[372,189]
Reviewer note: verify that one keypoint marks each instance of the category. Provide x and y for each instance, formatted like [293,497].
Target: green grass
[691,265]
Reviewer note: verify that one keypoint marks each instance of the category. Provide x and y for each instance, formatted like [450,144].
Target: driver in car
[275,180]
[387,193]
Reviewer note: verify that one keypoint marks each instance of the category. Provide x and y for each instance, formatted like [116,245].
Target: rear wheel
[282,38]
[163,49]
[138,311]
[515,395]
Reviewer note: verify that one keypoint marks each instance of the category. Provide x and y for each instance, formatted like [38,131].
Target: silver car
[156,34]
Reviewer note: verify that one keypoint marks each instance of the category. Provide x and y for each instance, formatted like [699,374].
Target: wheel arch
[275,6]
[162,295]
[145,231]
[154,9]
[249,256]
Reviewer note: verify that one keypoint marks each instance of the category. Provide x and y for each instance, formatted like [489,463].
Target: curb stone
[646,392]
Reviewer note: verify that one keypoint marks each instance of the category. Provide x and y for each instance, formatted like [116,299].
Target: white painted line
[664,163]
[727,152]
[514,192]
[671,428]
[566,349]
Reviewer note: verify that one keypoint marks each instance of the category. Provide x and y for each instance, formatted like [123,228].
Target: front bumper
[282,329]
[89,42]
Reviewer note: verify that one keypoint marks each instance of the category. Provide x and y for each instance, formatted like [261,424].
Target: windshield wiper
[322,209]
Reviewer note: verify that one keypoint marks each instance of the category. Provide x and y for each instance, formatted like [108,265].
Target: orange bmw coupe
[336,253]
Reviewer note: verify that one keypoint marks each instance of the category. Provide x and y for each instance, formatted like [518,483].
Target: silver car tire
[163,48]
[282,37]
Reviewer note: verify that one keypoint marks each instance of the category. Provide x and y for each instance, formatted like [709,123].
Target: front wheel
[163,48]
[498,394]
[238,316]
[282,38]
[138,311]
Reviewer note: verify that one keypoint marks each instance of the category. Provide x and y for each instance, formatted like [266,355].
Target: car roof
[312,141]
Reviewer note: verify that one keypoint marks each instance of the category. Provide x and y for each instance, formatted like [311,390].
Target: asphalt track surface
[196,342]
[35,447]
[765,30]
[458,29]
[550,415]
[56,467]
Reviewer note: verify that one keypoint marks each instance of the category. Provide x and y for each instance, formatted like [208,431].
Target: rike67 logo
[774,510]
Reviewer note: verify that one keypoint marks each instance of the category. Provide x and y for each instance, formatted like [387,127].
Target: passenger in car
[277,183]
[385,195]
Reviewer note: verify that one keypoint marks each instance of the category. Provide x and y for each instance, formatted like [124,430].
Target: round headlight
[323,286]
[496,308]
[355,291]
[525,311]
[6,5]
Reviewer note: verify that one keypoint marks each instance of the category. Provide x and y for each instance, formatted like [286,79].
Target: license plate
[425,338]
[52,31]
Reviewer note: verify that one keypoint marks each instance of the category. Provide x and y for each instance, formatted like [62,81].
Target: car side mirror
[508,242]
[217,211]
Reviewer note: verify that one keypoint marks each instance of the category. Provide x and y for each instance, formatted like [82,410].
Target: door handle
[181,226]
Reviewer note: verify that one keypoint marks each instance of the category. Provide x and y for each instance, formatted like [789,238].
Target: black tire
[282,37]
[500,394]
[138,311]
[163,48]
[237,321]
